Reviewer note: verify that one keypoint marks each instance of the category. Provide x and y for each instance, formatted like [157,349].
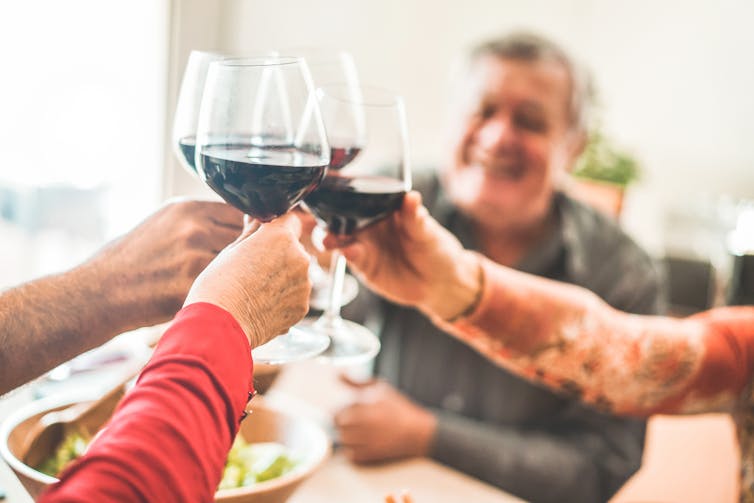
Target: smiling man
[519,128]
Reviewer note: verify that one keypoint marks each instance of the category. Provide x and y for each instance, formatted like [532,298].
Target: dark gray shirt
[494,425]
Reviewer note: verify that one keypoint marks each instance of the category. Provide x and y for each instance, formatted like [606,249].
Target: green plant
[602,161]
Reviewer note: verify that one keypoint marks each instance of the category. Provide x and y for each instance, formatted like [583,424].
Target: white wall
[677,80]
[675,77]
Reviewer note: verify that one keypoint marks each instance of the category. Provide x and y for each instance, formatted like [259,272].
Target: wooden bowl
[305,439]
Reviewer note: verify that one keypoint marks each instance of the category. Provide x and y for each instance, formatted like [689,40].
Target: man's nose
[497,132]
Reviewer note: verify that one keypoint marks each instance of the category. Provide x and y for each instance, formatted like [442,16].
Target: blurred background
[89,88]
[88,92]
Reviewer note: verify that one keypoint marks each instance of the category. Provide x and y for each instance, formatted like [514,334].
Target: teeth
[509,171]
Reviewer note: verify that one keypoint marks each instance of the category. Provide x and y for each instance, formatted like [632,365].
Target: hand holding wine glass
[411,259]
[261,145]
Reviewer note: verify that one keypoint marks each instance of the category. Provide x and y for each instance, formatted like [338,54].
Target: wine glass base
[350,343]
[290,347]
[320,297]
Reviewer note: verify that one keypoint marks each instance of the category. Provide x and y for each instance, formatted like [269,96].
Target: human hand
[383,424]
[409,258]
[148,271]
[261,279]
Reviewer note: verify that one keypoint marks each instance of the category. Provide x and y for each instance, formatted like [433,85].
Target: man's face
[512,141]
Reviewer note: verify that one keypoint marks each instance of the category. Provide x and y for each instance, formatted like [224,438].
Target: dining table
[316,391]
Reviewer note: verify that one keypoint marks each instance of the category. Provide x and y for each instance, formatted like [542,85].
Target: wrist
[249,316]
[424,436]
[105,307]
[460,293]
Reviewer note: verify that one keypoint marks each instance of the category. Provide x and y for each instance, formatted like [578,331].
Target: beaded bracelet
[477,297]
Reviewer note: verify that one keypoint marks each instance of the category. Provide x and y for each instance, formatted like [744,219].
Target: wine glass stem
[337,275]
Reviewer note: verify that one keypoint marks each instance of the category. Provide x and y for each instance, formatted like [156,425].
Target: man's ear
[575,145]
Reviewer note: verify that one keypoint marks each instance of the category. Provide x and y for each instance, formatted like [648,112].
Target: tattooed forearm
[574,342]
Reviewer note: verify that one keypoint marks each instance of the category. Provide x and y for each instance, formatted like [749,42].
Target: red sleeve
[170,436]
[728,363]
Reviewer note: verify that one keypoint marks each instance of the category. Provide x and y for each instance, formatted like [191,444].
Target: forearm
[169,438]
[537,465]
[48,321]
[568,338]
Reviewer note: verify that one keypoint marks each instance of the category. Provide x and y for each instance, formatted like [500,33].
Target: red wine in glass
[348,204]
[187,148]
[262,182]
[341,156]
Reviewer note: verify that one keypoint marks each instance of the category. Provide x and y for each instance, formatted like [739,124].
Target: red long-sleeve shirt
[170,436]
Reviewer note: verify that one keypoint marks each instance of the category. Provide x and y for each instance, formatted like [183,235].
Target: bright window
[82,105]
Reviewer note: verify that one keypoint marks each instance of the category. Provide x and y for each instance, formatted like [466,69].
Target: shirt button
[453,402]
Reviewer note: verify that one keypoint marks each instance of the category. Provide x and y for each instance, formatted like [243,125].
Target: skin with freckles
[261,279]
[624,363]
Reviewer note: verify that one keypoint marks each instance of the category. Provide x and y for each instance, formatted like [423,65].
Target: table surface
[338,480]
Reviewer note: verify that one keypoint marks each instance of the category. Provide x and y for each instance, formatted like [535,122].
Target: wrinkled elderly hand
[383,424]
[149,271]
[409,258]
[261,279]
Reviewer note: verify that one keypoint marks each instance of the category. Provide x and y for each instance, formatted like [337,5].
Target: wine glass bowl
[364,185]
[261,142]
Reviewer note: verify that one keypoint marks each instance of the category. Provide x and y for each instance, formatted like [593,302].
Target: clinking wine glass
[183,136]
[261,145]
[328,67]
[368,176]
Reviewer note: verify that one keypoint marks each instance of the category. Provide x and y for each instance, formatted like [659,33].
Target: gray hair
[532,48]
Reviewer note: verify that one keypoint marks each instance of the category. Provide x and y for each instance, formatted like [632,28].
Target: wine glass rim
[372,96]
[261,61]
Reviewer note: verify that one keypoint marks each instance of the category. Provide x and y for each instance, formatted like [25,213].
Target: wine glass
[368,176]
[261,145]
[183,135]
[328,67]
[331,66]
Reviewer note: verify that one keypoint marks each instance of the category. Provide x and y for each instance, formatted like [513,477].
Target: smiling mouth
[510,172]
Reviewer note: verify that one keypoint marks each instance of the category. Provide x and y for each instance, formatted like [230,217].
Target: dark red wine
[340,156]
[187,145]
[348,204]
[263,183]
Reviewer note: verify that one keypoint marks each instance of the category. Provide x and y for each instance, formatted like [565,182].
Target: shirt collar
[569,237]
